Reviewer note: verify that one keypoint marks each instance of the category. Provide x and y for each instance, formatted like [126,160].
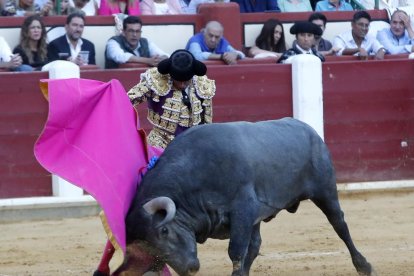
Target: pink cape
[91,140]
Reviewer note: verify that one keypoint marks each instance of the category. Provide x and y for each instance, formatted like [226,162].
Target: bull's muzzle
[188,269]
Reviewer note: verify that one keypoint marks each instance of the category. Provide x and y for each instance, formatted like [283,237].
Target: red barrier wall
[23,111]
[368,111]
[244,92]
[369,105]
[369,115]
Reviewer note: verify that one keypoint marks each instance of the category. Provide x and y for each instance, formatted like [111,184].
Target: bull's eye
[164,231]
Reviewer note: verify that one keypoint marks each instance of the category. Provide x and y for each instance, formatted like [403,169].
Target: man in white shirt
[399,38]
[8,61]
[71,46]
[357,41]
[130,47]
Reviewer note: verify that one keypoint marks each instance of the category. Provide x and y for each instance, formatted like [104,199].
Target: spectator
[192,7]
[65,8]
[333,5]
[8,7]
[210,44]
[305,39]
[29,7]
[257,6]
[313,4]
[8,61]
[270,42]
[41,3]
[70,45]
[382,4]
[110,7]
[322,45]
[160,7]
[399,38]
[357,41]
[33,46]
[130,47]
[184,5]
[294,5]
[89,7]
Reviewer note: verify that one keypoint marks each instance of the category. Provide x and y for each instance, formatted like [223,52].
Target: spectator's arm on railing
[115,52]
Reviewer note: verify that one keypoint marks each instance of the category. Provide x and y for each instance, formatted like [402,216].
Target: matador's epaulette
[158,83]
[205,87]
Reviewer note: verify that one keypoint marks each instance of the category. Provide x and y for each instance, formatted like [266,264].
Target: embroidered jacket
[169,111]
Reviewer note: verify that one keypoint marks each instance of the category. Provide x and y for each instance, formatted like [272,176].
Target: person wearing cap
[210,44]
[358,41]
[305,33]
[179,96]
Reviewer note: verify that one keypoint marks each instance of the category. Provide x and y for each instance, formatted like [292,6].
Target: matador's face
[181,85]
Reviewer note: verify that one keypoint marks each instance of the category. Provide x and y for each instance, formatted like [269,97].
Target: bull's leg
[331,208]
[241,229]
[254,247]
[238,247]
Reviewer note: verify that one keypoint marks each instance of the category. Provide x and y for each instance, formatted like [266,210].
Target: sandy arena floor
[381,224]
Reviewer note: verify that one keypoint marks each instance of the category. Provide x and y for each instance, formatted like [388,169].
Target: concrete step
[41,208]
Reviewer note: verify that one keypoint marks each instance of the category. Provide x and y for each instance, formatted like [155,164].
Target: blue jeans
[23,68]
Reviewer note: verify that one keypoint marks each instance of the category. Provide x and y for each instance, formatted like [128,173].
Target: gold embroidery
[205,88]
[159,138]
[158,83]
[137,94]
[174,112]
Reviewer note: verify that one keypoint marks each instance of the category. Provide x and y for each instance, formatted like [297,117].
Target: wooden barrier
[23,111]
[369,119]
[369,105]
[369,116]
[357,58]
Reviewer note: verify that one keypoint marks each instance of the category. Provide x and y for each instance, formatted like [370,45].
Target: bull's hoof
[362,266]
[371,272]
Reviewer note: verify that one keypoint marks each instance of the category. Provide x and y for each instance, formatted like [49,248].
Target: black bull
[221,180]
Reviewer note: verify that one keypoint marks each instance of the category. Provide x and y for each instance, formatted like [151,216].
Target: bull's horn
[161,203]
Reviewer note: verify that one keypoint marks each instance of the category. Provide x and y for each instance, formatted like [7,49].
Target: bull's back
[284,155]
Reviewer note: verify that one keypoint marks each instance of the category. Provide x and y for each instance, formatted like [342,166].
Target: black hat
[182,66]
[305,27]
